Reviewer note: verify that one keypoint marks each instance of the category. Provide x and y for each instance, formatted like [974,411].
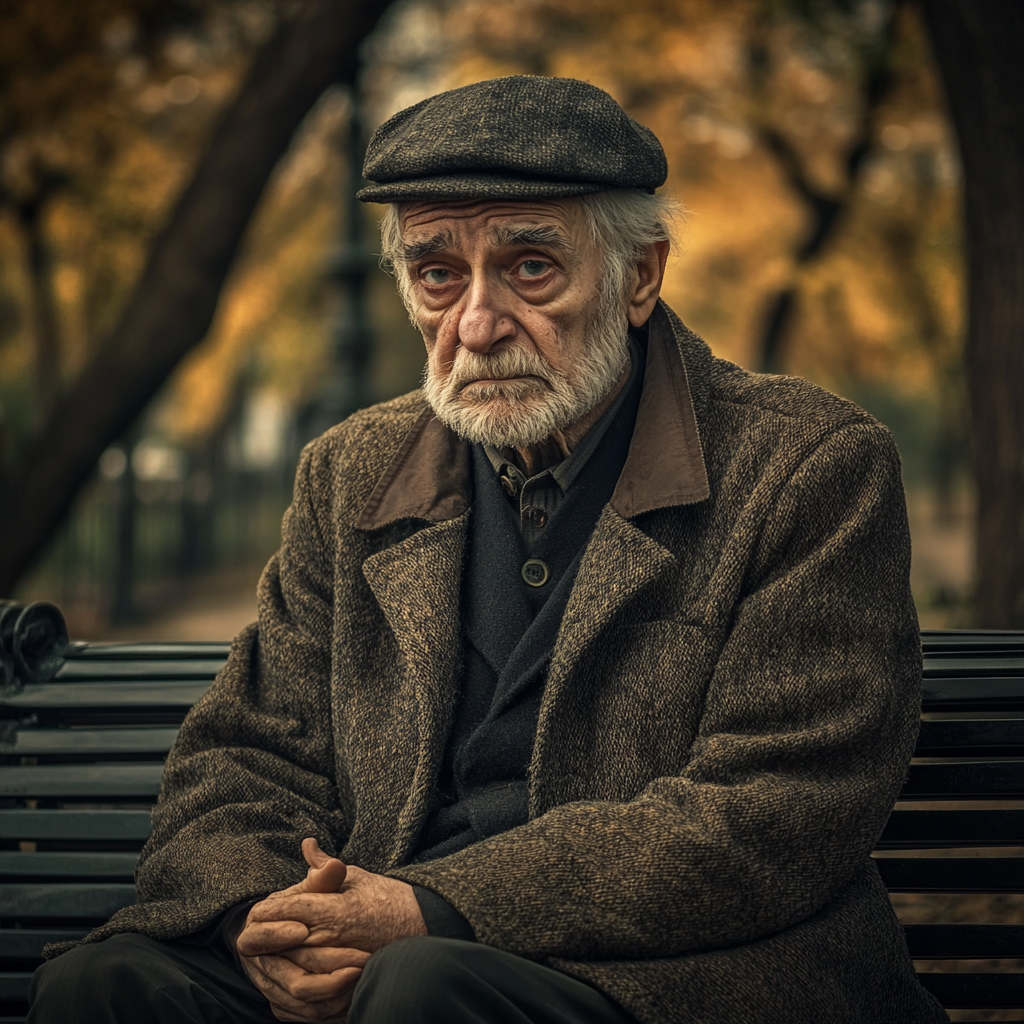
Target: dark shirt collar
[430,476]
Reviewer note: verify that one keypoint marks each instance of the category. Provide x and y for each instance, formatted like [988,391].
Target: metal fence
[156,520]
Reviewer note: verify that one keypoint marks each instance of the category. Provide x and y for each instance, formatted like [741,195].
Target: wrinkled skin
[487,274]
[305,947]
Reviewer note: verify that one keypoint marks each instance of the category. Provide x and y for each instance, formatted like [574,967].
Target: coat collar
[429,477]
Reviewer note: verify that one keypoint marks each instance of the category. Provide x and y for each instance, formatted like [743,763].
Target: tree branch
[826,209]
[173,303]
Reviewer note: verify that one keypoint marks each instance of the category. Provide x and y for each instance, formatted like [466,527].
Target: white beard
[521,413]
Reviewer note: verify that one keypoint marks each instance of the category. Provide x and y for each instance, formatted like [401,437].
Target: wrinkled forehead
[430,226]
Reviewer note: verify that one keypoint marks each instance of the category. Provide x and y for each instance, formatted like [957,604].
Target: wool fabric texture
[729,712]
[519,137]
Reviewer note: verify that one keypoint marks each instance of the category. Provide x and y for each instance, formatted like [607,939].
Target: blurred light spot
[895,137]
[733,141]
[182,89]
[151,100]
[113,463]
[154,459]
[264,431]
[131,71]
[119,35]
[882,184]
[182,51]
[699,128]
[817,86]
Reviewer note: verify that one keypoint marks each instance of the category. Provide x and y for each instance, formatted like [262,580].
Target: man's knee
[411,980]
[82,984]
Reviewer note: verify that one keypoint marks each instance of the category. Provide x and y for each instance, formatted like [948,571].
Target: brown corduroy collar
[430,477]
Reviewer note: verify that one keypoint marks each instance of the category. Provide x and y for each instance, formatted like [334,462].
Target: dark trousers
[132,979]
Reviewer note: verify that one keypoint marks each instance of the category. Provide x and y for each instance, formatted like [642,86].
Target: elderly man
[586,676]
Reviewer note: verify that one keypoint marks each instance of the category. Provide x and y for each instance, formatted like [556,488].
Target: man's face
[522,339]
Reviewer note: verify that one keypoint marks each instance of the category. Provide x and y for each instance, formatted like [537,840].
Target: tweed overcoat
[729,712]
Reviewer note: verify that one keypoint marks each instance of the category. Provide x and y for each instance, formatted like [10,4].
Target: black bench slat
[940,641]
[14,988]
[976,991]
[64,899]
[953,737]
[92,863]
[974,779]
[952,874]
[19,823]
[87,671]
[78,780]
[155,740]
[954,666]
[965,941]
[925,830]
[997,693]
[149,651]
[27,943]
[128,694]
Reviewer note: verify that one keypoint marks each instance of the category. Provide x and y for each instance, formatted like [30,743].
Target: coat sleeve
[809,722]
[251,773]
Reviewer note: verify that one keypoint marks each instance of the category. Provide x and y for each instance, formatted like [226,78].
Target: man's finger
[308,907]
[325,959]
[326,874]
[286,1006]
[304,987]
[264,937]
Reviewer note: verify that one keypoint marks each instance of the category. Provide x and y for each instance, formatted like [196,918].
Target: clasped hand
[305,947]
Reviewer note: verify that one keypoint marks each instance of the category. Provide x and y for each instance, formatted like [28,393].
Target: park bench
[82,757]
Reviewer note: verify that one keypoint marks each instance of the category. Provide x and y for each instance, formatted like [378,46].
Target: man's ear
[649,274]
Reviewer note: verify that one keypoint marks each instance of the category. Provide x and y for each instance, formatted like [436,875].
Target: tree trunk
[46,360]
[825,211]
[174,302]
[978,47]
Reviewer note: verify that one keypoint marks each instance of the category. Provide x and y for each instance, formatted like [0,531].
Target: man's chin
[500,424]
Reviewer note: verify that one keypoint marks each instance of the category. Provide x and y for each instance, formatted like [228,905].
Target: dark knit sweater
[510,632]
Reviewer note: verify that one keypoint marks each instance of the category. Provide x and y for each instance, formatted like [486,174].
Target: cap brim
[477,186]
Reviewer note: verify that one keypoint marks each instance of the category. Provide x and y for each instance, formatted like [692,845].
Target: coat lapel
[619,562]
[416,583]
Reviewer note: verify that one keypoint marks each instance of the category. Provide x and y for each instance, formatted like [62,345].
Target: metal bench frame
[81,758]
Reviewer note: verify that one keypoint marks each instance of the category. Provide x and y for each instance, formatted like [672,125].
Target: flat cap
[520,137]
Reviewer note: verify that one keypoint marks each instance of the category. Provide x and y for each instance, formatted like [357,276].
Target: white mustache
[470,367]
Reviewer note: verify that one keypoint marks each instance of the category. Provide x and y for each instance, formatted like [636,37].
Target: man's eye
[533,268]
[437,275]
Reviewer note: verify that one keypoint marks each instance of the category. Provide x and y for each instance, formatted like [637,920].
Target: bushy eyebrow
[417,250]
[534,236]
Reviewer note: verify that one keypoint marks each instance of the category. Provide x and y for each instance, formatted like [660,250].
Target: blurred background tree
[979,51]
[810,141]
[171,303]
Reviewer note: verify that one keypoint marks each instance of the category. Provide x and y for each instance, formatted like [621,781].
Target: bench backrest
[82,757]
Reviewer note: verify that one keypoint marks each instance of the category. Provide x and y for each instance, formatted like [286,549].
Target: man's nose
[484,321]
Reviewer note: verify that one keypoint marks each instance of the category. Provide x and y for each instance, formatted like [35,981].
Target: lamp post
[348,387]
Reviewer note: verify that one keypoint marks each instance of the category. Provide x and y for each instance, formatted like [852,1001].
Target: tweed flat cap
[520,137]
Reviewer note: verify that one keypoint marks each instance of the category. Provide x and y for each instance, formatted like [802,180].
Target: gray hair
[622,223]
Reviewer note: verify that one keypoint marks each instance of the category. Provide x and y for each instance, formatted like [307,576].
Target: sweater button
[535,516]
[535,572]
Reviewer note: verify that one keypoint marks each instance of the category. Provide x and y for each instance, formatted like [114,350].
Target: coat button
[535,572]
[535,516]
